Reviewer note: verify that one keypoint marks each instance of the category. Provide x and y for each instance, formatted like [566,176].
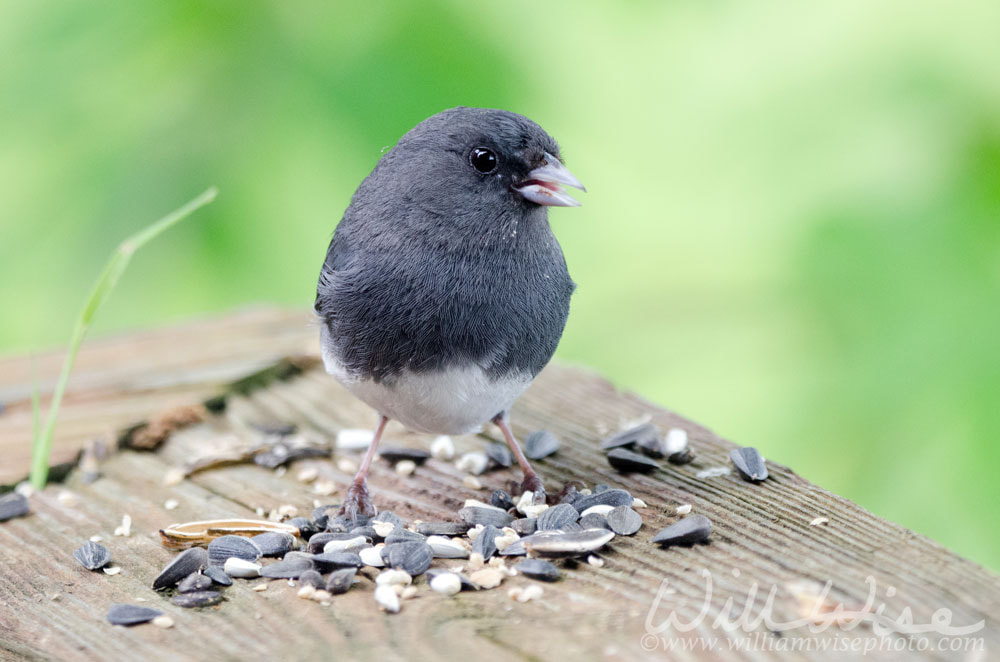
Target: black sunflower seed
[627,461]
[561,543]
[501,500]
[368,532]
[557,517]
[691,529]
[392,518]
[274,543]
[538,569]
[277,429]
[500,455]
[631,437]
[92,556]
[318,541]
[227,547]
[312,578]
[539,444]
[280,453]
[396,454]
[195,582]
[601,487]
[609,497]
[525,526]
[289,568]
[595,521]
[442,528]
[335,560]
[474,515]
[485,542]
[218,576]
[624,521]
[322,514]
[399,535]
[129,615]
[198,599]
[188,561]
[750,463]
[341,580]
[651,445]
[13,505]
[569,494]
[681,457]
[305,526]
[413,557]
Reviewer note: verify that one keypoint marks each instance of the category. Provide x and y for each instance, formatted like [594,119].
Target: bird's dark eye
[483,160]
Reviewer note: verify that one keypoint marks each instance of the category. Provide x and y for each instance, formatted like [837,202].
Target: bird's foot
[532,483]
[358,501]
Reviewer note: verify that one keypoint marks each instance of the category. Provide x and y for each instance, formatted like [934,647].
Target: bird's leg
[532,483]
[357,501]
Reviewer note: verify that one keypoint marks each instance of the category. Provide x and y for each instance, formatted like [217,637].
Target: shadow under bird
[444,291]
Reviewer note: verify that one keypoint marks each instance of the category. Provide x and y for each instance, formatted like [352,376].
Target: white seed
[474,532]
[171,504]
[639,503]
[126,528]
[406,467]
[349,545]
[96,538]
[321,595]
[67,498]
[525,500]
[163,621]
[308,475]
[526,593]
[684,509]
[586,491]
[446,583]
[600,509]
[447,548]
[473,463]
[476,503]
[372,556]
[306,592]
[173,476]
[408,592]
[382,529]
[324,487]
[819,520]
[476,561]
[442,448]
[386,598]
[25,489]
[487,577]
[287,511]
[354,439]
[347,465]
[393,577]
[112,569]
[506,540]
[472,483]
[675,441]
[535,510]
[595,561]
[241,568]
[713,472]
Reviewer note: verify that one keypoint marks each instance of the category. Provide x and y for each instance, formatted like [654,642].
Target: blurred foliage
[792,231]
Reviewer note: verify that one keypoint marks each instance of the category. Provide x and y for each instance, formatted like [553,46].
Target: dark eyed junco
[444,291]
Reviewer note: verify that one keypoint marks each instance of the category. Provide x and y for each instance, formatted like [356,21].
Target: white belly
[451,401]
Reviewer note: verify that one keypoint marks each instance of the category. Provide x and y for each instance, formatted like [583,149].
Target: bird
[444,291]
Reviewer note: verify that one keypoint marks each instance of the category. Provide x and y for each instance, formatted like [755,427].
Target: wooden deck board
[762,531]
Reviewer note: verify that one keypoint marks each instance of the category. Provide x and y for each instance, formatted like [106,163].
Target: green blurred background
[792,232]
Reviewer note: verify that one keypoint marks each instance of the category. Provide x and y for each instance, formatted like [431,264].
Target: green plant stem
[112,272]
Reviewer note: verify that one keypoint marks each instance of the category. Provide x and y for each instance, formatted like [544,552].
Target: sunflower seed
[129,615]
[525,526]
[341,580]
[188,561]
[624,521]
[593,520]
[372,556]
[198,599]
[92,556]
[367,532]
[501,499]
[218,576]
[609,497]
[392,518]
[539,444]
[558,543]
[687,531]
[227,547]
[277,428]
[538,569]
[684,457]
[335,560]
[601,487]
[485,542]
[403,535]
[352,544]
[750,463]
[557,517]
[194,582]
[312,578]
[651,445]
[412,557]
[273,543]
[442,528]
[13,505]
[241,568]
[446,583]
[477,515]
[631,437]
[396,454]
[305,526]
[289,568]
[600,509]
[446,548]
[628,462]
[499,455]
[387,599]
[683,509]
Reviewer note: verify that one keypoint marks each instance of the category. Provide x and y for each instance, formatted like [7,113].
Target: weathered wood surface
[50,608]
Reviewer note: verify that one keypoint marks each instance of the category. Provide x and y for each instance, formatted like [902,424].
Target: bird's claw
[532,483]
[357,502]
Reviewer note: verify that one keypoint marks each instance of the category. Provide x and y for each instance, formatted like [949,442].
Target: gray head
[469,161]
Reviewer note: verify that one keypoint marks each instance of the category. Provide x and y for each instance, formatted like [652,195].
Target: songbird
[444,291]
